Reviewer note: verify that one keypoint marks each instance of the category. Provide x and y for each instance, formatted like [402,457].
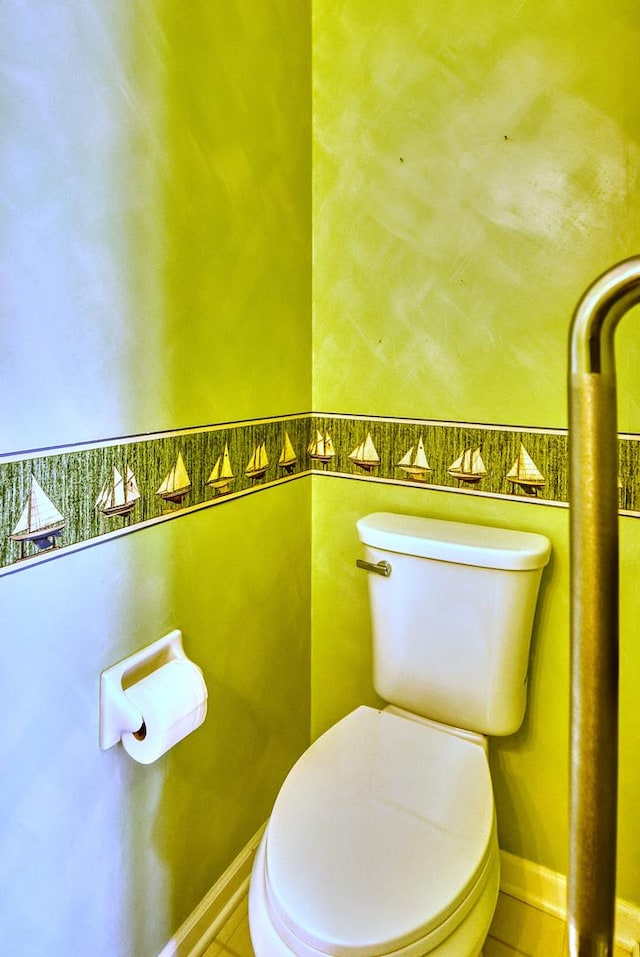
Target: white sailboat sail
[525,472]
[258,462]
[321,447]
[118,496]
[221,476]
[103,494]
[468,467]
[288,457]
[365,455]
[40,521]
[415,465]
[132,492]
[176,484]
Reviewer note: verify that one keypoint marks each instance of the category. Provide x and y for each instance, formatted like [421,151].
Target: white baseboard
[546,891]
[204,923]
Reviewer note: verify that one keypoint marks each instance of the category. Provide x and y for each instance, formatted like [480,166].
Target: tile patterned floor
[513,934]
[517,931]
[233,940]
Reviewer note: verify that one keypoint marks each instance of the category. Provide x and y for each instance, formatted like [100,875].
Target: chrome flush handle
[381,568]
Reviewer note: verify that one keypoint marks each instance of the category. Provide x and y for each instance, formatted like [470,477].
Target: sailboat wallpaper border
[58,500]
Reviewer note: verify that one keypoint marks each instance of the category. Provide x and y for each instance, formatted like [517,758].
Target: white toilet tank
[452,622]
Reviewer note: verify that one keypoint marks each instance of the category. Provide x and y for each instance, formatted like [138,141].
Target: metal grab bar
[593,497]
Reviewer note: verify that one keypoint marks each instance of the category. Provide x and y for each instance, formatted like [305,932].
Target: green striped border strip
[73,476]
[72,479]
[499,446]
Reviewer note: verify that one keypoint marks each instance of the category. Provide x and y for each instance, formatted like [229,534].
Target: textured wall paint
[144,287]
[155,217]
[475,167]
[239,213]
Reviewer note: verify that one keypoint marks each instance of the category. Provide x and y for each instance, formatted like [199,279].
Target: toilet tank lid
[457,542]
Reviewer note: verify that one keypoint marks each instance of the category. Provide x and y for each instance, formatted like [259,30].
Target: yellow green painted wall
[475,167]
[237,216]
[155,249]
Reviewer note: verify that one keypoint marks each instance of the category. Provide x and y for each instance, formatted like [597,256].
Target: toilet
[382,841]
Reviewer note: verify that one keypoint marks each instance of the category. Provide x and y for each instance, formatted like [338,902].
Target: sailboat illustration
[176,484]
[468,467]
[118,496]
[288,457]
[525,473]
[221,477]
[414,463]
[365,455]
[321,447]
[40,521]
[258,462]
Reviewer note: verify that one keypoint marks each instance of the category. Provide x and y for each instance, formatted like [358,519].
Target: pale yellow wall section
[156,228]
[475,167]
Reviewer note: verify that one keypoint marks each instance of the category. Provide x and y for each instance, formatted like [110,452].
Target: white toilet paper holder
[117,713]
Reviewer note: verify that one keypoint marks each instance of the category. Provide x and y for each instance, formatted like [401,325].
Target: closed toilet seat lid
[379,833]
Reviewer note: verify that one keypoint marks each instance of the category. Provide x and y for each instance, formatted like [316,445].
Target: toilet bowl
[382,843]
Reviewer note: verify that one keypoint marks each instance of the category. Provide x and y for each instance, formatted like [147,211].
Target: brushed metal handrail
[593,498]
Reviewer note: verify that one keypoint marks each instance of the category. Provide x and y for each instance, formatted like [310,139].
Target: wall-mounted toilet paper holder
[117,712]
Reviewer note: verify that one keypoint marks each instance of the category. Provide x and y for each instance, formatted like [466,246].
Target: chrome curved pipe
[593,498]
